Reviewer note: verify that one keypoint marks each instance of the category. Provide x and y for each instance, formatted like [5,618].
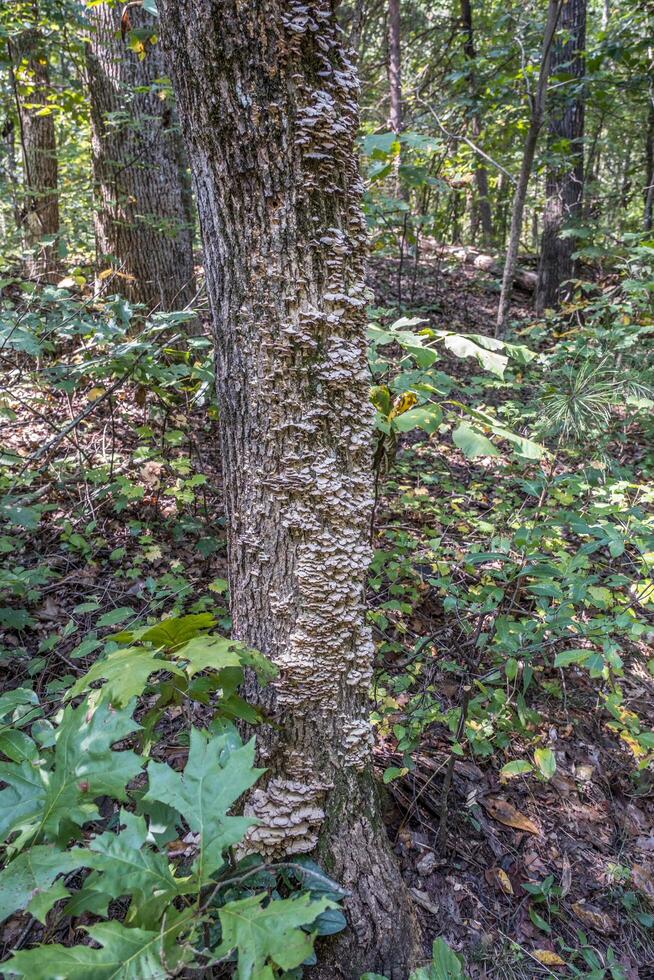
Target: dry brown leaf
[507,814]
[547,957]
[643,881]
[593,917]
[566,876]
[500,879]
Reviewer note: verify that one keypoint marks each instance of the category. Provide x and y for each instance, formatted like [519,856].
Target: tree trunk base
[383,935]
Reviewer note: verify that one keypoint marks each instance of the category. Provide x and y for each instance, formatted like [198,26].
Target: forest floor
[94,559]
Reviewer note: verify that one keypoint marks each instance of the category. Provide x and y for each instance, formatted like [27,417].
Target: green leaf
[32,873]
[170,633]
[18,746]
[472,443]
[268,934]
[427,417]
[516,768]
[216,774]
[126,954]
[445,965]
[546,762]
[49,800]
[209,652]
[567,657]
[115,616]
[462,346]
[129,867]
[126,673]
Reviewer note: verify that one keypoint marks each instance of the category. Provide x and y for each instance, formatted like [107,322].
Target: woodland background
[507,155]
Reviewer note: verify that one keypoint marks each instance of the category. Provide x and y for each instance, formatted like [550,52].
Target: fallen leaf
[547,957]
[49,610]
[593,917]
[643,881]
[507,814]
[500,879]
[422,898]
[566,876]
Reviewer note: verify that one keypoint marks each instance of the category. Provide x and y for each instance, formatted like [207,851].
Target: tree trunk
[537,102]
[481,174]
[648,194]
[394,67]
[268,101]
[564,183]
[40,209]
[142,219]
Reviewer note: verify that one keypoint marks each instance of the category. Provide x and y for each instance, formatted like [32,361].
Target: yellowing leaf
[547,957]
[403,404]
[95,393]
[546,762]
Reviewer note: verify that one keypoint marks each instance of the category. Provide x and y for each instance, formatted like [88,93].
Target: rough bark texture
[268,102]
[142,219]
[564,183]
[537,102]
[39,213]
[482,202]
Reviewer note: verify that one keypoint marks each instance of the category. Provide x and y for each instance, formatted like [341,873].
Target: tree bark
[564,182]
[648,193]
[395,121]
[537,103]
[142,219]
[268,101]
[481,174]
[39,213]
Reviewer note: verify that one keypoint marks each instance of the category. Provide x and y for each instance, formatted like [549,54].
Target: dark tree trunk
[268,102]
[39,213]
[537,104]
[482,203]
[142,220]
[564,187]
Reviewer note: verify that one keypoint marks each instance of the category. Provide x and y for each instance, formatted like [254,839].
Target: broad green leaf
[567,657]
[427,417]
[49,801]
[546,762]
[125,672]
[170,633]
[516,768]
[126,954]
[32,873]
[216,774]
[445,965]
[473,443]
[208,653]
[129,867]
[115,616]
[465,347]
[18,746]
[268,934]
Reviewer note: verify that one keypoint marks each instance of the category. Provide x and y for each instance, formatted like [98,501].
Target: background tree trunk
[142,219]
[537,102]
[268,102]
[564,187]
[648,193]
[40,208]
[394,67]
[481,174]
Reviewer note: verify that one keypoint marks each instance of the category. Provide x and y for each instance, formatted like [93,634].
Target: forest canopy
[326,500]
